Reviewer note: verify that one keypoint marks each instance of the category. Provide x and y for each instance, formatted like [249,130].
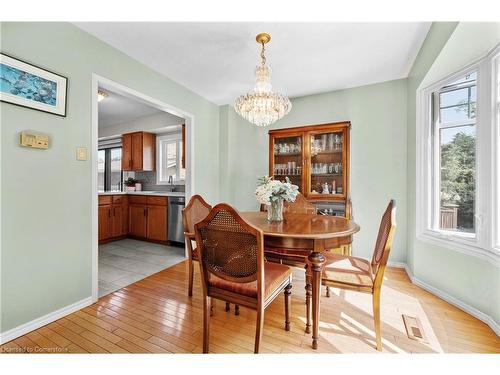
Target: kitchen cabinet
[157,223]
[137,220]
[112,217]
[138,151]
[104,222]
[120,215]
[148,218]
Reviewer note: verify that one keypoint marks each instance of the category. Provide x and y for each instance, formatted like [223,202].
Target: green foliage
[458,169]
[130,181]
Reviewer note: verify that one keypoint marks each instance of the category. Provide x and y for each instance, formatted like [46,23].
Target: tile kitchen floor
[124,262]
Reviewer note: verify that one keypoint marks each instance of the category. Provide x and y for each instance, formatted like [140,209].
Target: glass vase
[275,210]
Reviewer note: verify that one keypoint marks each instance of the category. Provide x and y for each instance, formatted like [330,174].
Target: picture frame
[30,86]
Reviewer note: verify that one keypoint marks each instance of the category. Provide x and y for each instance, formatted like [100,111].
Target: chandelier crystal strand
[262,106]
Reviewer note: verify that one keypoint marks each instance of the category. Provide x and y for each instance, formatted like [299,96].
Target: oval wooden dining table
[307,235]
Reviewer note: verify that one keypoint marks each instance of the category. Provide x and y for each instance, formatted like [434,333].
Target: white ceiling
[216,60]
[116,109]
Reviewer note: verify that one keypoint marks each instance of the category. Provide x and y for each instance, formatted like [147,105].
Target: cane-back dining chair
[195,211]
[231,254]
[300,206]
[362,275]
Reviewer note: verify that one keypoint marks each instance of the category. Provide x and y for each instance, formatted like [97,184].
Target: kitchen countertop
[146,192]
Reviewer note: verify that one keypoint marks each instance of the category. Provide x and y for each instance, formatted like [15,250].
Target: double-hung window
[169,159]
[458,162]
[454,155]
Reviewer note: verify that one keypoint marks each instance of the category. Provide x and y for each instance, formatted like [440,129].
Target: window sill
[460,245]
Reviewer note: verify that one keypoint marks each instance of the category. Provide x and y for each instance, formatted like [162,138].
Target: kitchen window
[458,164]
[109,169]
[169,157]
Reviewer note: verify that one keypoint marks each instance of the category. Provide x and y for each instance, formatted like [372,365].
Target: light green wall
[46,195]
[447,48]
[378,153]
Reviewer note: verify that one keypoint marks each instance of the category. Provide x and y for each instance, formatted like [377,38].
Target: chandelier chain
[262,56]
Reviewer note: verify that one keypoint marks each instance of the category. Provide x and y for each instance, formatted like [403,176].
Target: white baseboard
[396,264]
[43,320]
[449,298]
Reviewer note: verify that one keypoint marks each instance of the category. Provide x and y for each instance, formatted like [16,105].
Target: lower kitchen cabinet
[137,220]
[119,225]
[113,217]
[157,223]
[137,216]
[104,222]
[148,217]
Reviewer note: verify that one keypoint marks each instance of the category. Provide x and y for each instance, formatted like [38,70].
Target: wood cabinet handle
[114,211]
[109,212]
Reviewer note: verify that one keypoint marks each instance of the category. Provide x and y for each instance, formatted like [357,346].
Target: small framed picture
[30,86]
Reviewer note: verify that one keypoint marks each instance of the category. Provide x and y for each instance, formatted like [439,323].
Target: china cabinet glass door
[327,164]
[287,159]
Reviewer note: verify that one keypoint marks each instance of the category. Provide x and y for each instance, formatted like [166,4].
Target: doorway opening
[142,156]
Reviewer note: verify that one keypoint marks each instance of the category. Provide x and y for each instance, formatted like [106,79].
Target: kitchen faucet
[171,182]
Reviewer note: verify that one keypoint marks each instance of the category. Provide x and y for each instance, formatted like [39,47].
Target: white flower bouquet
[272,193]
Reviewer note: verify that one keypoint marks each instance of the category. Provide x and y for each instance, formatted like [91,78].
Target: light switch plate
[81,153]
[34,140]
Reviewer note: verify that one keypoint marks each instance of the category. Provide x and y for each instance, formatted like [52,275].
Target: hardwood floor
[155,315]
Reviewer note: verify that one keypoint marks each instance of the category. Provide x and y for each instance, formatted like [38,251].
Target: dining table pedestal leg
[316,260]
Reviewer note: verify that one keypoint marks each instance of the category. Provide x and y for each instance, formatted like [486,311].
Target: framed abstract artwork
[29,86]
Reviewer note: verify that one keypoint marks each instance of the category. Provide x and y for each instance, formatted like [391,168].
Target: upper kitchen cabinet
[138,151]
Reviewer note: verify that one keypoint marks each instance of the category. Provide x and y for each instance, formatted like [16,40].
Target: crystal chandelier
[262,106]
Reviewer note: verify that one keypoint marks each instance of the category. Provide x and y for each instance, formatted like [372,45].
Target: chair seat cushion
[347,270]
[275,275]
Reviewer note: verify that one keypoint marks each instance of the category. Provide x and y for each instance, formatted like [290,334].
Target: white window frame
[483,243]
[495,146]
[177,138]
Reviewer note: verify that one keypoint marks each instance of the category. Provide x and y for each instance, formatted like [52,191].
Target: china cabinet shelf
[327,152]
[294,154]
[326,174]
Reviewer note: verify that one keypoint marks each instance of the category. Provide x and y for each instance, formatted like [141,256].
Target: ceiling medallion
[262,106]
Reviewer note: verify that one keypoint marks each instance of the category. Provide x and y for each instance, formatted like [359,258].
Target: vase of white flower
[275,210]
[273,193]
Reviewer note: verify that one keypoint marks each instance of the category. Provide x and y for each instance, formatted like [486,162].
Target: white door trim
[99,81]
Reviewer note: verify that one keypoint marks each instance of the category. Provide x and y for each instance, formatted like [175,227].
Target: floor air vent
[414,328]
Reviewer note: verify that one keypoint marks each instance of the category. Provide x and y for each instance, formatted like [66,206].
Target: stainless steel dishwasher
[175,227]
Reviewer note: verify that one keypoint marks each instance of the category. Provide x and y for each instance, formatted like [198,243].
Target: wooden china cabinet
[316,159]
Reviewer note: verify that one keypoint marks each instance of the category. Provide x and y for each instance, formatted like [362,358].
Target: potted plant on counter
[272,193]
[130,184]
